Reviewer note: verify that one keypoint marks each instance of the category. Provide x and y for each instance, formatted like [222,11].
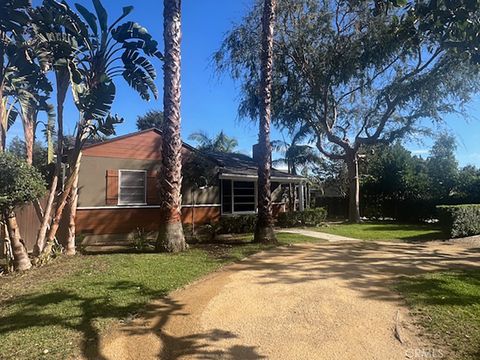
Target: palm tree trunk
[3,122]
[170,236]
[264,232]
[21,261]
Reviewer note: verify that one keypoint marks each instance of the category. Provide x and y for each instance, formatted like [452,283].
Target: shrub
[237,224]
[20,183]
[141,240]
[308,217]
[460,220]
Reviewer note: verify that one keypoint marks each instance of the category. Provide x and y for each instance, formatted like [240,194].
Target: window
[238,196]
[132,187]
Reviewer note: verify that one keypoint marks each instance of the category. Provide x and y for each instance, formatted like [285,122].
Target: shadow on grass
[87,310]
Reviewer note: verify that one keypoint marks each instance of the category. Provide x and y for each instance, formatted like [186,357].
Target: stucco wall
[92,182]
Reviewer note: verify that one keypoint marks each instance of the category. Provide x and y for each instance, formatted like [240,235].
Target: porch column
[301,197]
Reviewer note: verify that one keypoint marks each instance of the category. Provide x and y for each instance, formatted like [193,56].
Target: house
[118,186]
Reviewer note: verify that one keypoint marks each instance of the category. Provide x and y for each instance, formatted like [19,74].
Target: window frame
[123,203]
[232,187]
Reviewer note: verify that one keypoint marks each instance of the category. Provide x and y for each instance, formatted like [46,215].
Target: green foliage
[460,220]
[20,183]
[142,241]
[219,143]
[152,119]
[354,76]
[308,217]
[442,167]
[236,224]
[40,156]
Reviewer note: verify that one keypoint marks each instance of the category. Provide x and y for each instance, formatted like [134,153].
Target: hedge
[460,220]
[308,217]
[236,224]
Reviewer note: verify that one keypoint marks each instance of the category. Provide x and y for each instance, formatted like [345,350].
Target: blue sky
[209,101]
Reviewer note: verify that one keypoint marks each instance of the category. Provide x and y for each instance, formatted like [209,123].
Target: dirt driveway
[316,301]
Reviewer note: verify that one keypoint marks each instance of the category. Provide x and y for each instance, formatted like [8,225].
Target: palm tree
[219,143]
[170,236]
[264,228]
[295,154]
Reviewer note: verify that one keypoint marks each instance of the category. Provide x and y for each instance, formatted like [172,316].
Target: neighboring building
[118,186]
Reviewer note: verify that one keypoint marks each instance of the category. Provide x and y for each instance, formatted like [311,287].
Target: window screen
[132,187]
[238,196]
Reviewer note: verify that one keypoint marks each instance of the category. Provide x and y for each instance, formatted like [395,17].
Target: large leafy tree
[442,167]
[264,227]
[152,119]
[218,143]
[171,237]
[357,73]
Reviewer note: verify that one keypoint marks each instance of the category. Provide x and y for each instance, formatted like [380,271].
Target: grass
[447,305]
[387,231]
[60,310]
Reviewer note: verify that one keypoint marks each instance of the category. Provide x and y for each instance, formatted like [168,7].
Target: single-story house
[118,186]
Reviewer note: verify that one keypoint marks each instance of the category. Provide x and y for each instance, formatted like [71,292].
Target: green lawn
[386,231]
[447,305]
[60,310]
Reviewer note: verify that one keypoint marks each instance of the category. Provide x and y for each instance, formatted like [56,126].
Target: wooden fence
[29,224]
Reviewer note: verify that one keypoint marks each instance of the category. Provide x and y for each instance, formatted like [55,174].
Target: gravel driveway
[316,301]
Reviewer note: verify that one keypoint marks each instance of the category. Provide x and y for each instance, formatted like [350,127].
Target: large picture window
[132,187]
[238,196]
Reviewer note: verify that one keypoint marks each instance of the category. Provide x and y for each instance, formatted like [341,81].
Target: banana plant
[107,50]
[13,21]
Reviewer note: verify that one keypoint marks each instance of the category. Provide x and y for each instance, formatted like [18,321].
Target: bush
[460,220]
[308,217]
[237,224]
[20,183]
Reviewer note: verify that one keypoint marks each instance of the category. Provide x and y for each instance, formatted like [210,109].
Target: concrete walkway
[321,301]
[318,235]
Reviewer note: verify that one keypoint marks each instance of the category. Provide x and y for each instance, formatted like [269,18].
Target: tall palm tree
[170,236]
[219,143]
[264,228]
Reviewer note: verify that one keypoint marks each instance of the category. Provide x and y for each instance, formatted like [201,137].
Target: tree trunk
[354,188]
[29,134]
[60,206]
[171,237]
[62,81]
[72,206]
[21,261]
[264,232]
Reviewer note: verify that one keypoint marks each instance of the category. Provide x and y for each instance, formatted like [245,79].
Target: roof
[121,137]
[230,164]
[244,166]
